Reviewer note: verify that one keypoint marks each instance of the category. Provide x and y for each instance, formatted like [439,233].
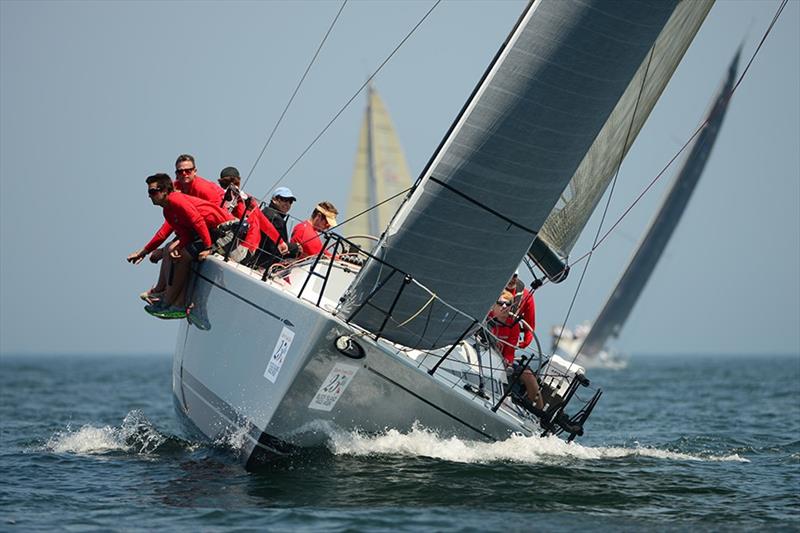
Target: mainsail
[619,305]
[380,171]
[505,163]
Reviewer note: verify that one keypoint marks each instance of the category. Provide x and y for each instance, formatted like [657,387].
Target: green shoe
[166,313]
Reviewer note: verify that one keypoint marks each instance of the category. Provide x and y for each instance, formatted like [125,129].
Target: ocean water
[676,443]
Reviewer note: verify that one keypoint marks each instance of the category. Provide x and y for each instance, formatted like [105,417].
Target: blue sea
[676,443]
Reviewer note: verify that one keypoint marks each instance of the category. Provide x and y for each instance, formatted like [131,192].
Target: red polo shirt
[202,188]
[508,332]
[198,188]
[307,237]
[189,217]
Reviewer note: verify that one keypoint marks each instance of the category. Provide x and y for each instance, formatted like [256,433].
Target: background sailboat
[591,342]
[380,172]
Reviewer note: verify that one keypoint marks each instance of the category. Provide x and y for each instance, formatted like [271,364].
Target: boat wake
[519,449]
[136,435]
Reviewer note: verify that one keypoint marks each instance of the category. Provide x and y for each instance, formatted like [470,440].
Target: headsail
[566,222]
[380,171]
[503,166]
[619,305]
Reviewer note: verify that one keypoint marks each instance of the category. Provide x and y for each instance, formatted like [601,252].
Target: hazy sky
[95,96]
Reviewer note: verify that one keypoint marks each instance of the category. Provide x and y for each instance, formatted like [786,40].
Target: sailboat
[588,344]
[399,338]
[380,172]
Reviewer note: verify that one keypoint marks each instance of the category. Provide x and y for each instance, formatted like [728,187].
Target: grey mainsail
[619,305]
[505,163]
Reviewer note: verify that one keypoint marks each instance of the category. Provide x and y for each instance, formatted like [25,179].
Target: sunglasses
[154,190]
[184,170]
[501,303]
[282,199]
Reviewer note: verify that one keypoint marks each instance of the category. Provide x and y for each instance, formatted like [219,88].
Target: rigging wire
[296,89]
[355,95]
[598,241]
[608,203]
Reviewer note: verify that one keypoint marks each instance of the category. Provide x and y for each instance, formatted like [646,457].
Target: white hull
[222,387]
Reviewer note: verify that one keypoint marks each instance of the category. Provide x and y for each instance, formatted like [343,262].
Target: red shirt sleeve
[188,218]
[161,235]
[238,210]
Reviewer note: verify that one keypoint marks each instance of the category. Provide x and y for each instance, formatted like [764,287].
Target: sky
[95,96]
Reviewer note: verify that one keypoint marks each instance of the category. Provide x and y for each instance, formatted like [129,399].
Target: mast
[372,184]
[624,296]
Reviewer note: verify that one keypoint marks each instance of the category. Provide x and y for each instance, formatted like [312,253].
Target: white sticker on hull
[333,387]
[279,354]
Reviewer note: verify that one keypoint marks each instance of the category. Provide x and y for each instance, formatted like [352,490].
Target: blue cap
[284,192]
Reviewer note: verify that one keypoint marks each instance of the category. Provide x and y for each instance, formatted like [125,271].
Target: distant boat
[588,345]
[283,359]
[380,172]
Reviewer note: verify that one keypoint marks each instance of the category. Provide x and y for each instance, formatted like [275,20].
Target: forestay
[503,167]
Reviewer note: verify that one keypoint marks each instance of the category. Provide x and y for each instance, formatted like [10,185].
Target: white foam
[136,434]
[519,449]
[86,440]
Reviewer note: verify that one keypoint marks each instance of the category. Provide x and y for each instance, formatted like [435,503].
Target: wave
[136,435]
[425,443]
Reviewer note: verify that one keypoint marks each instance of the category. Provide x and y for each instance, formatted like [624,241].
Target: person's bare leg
[532,388]
[163,273]
[176,291]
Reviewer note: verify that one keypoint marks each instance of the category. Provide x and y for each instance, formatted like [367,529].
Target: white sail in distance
[380,171]
[505,163]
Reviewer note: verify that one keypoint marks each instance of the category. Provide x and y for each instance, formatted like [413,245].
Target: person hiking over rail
[188,182]
[197,224]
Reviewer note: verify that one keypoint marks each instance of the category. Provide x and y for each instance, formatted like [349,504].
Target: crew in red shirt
[194,221]
[188,182]
[506,328]
[306,233]
[237,202]
[523,307]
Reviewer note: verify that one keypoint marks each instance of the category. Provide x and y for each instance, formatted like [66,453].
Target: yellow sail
[380,172]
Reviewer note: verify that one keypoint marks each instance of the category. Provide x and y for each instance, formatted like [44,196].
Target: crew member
[306,233]
[243,208]
[277,212]
[188,182]
[524,307]
[194,221]
[506,328]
